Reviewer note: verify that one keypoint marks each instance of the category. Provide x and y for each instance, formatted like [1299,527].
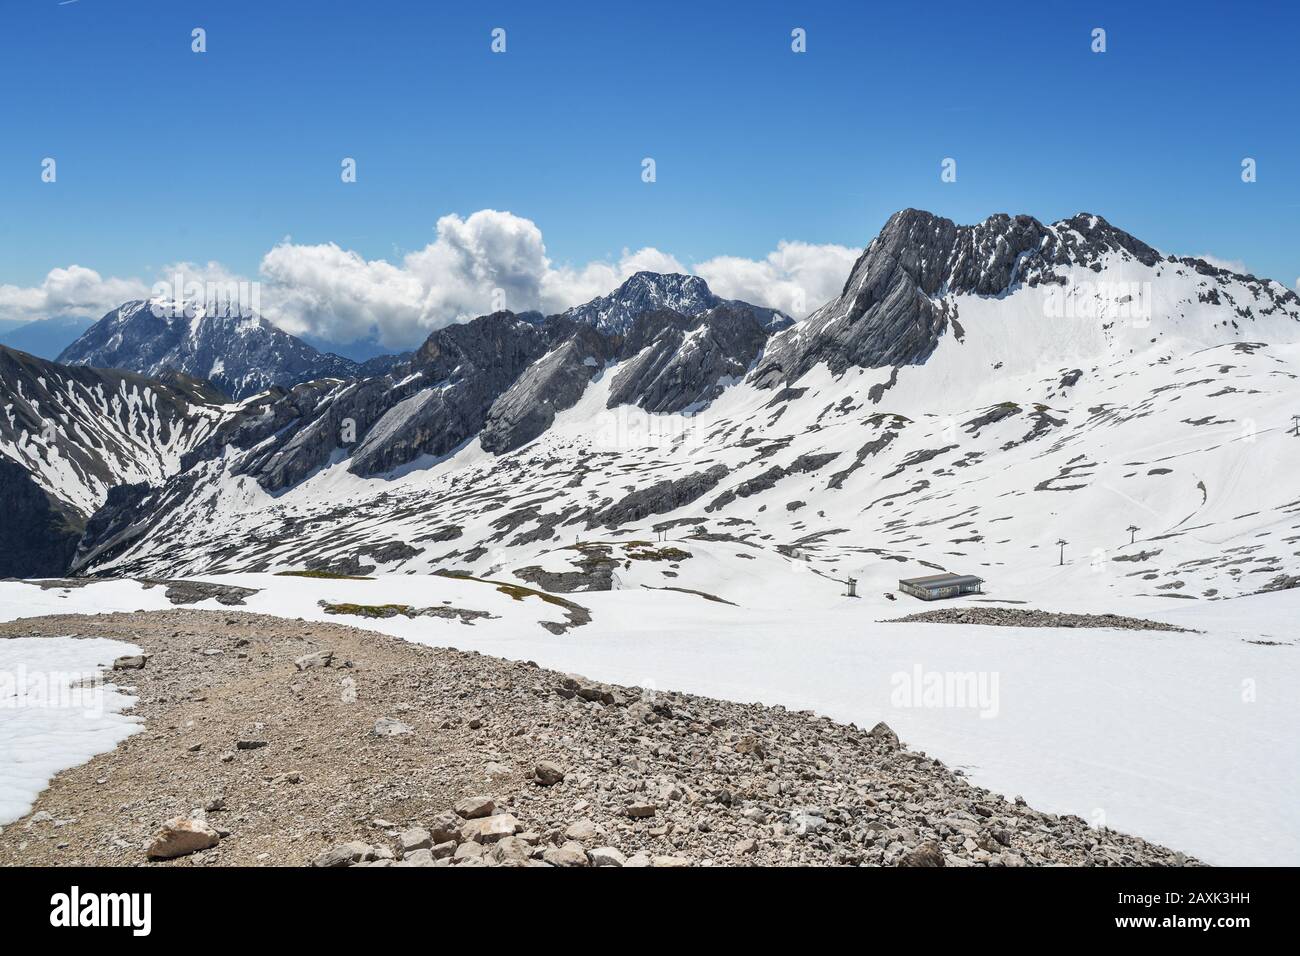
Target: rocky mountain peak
[667,281]
[988,257]
[645,292]
[238,351]
[902,292]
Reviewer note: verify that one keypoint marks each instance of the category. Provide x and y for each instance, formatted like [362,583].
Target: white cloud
[338,295]
[74,291]
[487,261]
[474,265]
[796,277]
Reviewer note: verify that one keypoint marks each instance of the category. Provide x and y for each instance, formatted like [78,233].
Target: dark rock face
[463,369]
[502,377]
[768,478]
[192,592]
[594,569]
[890,313]
[677,362]
[382,364]
[198,391]
[240,354]
[428,406]
[115,524]
[555,382]
[103,425]
[38,536]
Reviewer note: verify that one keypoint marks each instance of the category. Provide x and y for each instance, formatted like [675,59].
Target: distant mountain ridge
[241,354]
[45,338]
[650,291]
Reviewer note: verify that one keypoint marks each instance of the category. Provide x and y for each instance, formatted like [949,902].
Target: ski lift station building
[932,587]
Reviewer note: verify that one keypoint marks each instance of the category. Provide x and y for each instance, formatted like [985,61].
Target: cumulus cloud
[338,295]
[796,277]
[487,261]
[74,291]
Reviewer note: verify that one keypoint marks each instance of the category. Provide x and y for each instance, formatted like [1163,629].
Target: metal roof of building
[941,580]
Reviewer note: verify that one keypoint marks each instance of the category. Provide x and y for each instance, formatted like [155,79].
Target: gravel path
[277,742]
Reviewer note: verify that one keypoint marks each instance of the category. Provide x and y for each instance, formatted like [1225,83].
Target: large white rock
[179,837]
[490,829]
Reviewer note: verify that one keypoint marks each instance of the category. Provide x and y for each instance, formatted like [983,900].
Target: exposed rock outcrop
[653,291]
[892,311]
[679,363]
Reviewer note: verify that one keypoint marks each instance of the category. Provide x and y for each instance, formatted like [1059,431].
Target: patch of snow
[46,723]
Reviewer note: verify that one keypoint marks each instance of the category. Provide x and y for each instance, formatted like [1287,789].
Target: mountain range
[239,352]
[974,396]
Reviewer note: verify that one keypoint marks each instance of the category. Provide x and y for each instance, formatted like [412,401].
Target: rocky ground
[269,741]
[1027,617]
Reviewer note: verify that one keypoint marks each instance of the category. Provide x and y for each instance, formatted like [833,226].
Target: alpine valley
[666,488]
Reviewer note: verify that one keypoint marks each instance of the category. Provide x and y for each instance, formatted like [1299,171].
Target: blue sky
[165,155]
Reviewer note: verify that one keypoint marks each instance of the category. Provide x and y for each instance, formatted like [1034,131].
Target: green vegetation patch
[577,614]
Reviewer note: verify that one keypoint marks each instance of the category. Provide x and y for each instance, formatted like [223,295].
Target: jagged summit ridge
[645,292]
[903,292]
[651,291]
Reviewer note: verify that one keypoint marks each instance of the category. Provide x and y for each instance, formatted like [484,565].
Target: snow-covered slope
[1067,382]
[55,713]
[242,354]
[69,435]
